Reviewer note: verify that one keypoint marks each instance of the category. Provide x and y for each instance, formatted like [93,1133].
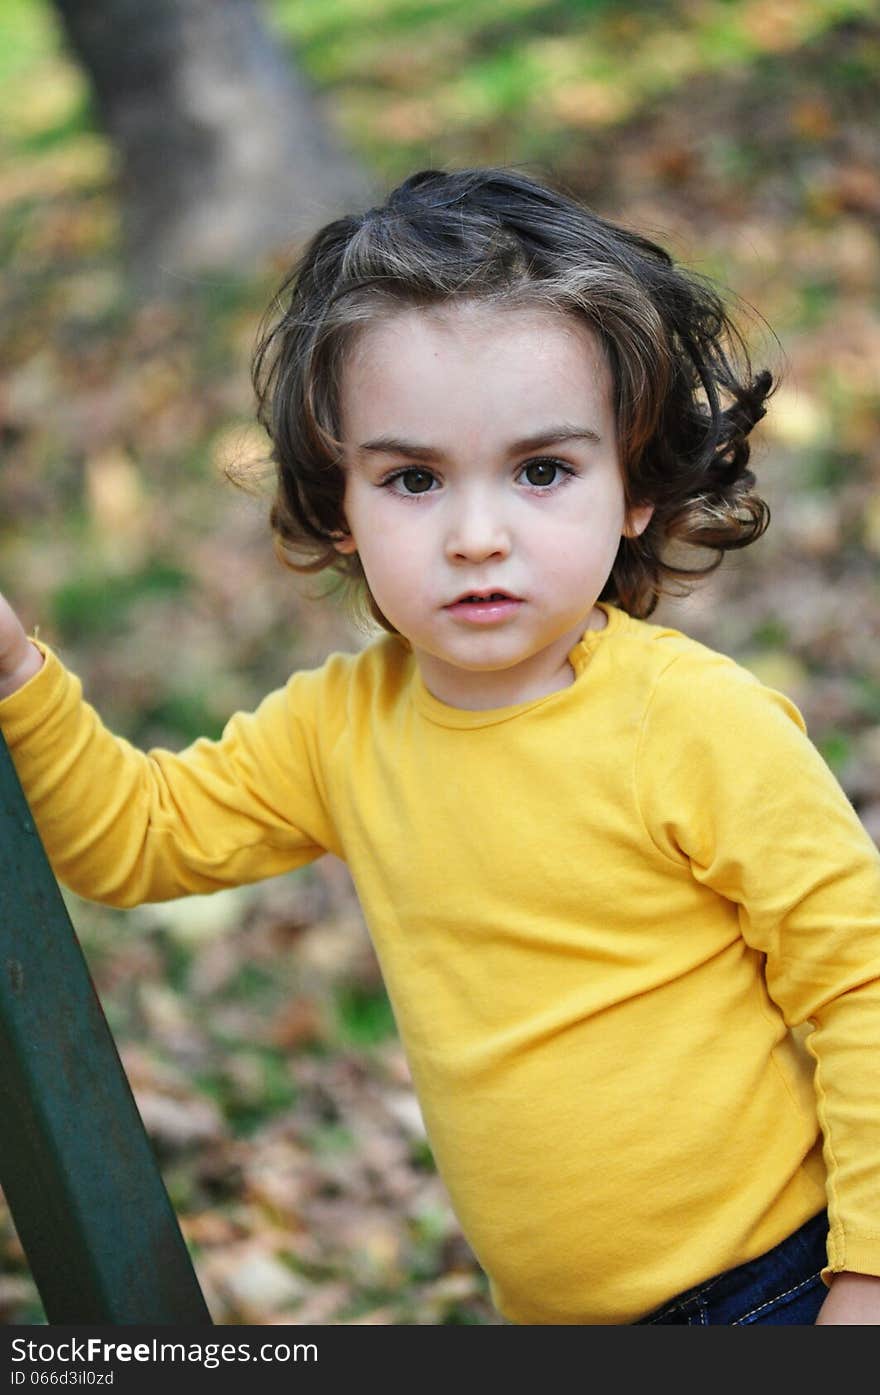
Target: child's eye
[545,472]
[412,481]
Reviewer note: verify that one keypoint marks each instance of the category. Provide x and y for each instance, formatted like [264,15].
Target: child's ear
[637,520]
[345,544]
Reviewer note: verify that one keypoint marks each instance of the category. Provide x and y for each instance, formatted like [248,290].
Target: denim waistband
[780,1287]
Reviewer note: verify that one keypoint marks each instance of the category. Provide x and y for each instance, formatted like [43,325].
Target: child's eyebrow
[550,435]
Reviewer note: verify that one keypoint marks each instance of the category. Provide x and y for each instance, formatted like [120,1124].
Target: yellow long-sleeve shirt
[598,914]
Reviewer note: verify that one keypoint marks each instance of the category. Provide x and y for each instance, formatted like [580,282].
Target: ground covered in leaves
[253,1025]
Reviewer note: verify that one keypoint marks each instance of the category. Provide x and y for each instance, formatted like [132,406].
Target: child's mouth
[484,608]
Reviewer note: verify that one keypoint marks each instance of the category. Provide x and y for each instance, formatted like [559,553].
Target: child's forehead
[454,368]
[485,333]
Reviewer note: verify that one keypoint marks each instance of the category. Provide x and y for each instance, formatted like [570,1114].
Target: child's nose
[477,531]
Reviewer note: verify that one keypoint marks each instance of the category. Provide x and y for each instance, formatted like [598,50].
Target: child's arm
[734,792]
[854,1300]
[123,826]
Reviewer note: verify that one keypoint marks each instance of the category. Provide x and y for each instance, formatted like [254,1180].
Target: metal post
[76,1166]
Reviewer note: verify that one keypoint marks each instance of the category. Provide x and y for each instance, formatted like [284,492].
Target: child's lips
[485,609]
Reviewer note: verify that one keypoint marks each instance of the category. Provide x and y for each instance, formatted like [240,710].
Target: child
[605,870]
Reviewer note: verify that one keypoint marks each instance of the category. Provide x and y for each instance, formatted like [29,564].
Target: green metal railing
[76,1166]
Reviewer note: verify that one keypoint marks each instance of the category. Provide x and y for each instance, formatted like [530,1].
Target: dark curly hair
[685,397]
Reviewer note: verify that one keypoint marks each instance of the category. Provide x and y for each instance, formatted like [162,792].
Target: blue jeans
[782,1287]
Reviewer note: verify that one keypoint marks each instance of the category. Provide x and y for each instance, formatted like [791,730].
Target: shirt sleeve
[123,826]
[730,783]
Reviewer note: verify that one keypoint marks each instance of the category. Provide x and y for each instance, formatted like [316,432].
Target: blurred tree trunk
[223,152]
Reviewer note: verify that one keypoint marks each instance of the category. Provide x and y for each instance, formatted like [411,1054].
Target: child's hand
[19,659]
[853,1300]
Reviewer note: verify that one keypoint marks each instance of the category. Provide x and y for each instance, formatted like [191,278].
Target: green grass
[27,31]
[94,604]
[364,1016]
[248,1098]
[187,713]
[836,748]
[503,50]
[771,634]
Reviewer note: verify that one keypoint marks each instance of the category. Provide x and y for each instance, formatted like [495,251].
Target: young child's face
[481,457]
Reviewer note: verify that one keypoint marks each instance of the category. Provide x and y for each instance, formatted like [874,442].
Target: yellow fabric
[598,913]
